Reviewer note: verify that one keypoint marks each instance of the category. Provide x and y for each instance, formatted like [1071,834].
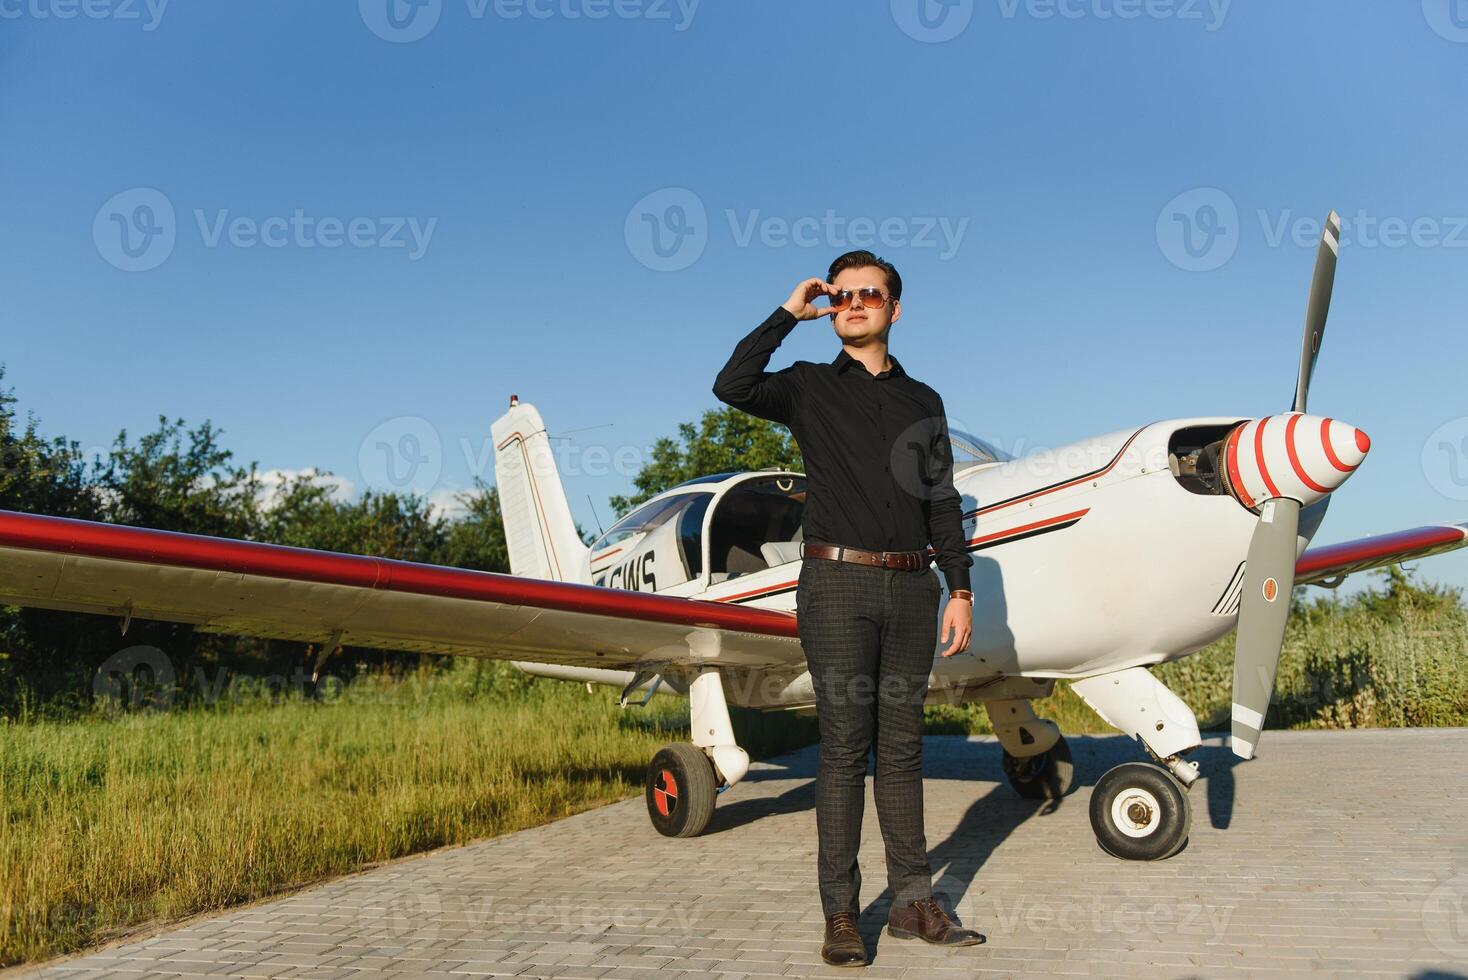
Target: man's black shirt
[878,463]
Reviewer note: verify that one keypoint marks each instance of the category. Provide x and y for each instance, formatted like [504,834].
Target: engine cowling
[1303,457]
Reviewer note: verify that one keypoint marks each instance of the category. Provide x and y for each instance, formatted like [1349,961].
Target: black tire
[1140,812]
[1047,776]
[680,790]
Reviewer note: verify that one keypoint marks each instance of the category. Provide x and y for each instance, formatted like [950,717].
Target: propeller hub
[1302,457]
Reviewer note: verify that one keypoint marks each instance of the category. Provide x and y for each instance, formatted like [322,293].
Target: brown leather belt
[909,561]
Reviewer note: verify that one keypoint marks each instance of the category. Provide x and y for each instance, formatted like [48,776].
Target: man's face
[859,325]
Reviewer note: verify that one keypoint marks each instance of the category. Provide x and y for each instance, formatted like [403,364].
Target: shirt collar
[842,360]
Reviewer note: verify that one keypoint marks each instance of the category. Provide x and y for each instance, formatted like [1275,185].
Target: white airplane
[1090,563]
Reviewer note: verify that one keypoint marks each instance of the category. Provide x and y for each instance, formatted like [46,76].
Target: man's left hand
[958,622]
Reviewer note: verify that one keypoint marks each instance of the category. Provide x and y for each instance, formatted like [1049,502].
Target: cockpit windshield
[647,517]
[969,448]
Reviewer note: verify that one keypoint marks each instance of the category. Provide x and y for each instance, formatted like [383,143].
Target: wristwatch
[962,594]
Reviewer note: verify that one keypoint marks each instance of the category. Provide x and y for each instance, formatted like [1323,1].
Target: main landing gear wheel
[1140,812]
[1046,776]
[680,790]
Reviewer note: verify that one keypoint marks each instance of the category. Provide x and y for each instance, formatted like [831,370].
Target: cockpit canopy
[754,525]
[969,449]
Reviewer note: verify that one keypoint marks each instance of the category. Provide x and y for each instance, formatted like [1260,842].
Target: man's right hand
[799,303]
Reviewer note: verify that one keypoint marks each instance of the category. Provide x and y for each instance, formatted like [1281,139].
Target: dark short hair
[861,259]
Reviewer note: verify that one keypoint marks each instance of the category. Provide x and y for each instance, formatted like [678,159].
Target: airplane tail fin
[539,530]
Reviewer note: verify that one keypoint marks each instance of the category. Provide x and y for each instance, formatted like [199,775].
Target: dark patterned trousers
[869,635]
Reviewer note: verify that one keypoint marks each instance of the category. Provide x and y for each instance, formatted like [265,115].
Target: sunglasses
[870,296]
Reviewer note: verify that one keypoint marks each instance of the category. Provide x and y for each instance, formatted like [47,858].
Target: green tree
[38,476]
[180,479]
[724,439]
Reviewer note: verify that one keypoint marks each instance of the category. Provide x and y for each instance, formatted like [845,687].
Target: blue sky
[350,225]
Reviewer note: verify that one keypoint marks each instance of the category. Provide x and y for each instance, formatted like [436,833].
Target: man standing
[879,479]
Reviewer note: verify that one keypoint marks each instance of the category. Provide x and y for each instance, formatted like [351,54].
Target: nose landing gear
[1140,812]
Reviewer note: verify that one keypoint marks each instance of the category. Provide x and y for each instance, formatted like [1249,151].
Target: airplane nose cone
[1346,446]
[1302,457]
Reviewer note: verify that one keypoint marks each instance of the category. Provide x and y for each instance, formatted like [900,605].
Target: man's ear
[896,310]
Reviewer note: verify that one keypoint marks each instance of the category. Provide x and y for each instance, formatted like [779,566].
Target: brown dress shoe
[843,945]
[925,919]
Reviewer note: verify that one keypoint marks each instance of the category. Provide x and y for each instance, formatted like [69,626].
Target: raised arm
[745,384]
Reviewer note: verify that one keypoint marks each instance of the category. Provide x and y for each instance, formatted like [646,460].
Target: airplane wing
[251,589]
[1321,564]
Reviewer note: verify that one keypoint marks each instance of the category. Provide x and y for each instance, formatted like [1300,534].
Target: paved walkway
[1333,852]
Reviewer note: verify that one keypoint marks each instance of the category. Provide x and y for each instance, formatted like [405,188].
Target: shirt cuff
[957,578]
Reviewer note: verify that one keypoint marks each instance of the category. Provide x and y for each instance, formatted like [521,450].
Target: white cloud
[273,481]
[446,503]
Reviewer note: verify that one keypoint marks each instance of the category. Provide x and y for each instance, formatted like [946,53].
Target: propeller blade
[1319,308]
[1269,578]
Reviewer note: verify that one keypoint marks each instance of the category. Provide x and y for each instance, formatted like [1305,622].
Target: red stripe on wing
[68,536]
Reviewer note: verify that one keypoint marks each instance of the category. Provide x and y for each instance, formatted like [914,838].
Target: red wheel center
[665,793]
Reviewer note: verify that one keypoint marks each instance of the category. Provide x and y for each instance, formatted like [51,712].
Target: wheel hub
[1134,812]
